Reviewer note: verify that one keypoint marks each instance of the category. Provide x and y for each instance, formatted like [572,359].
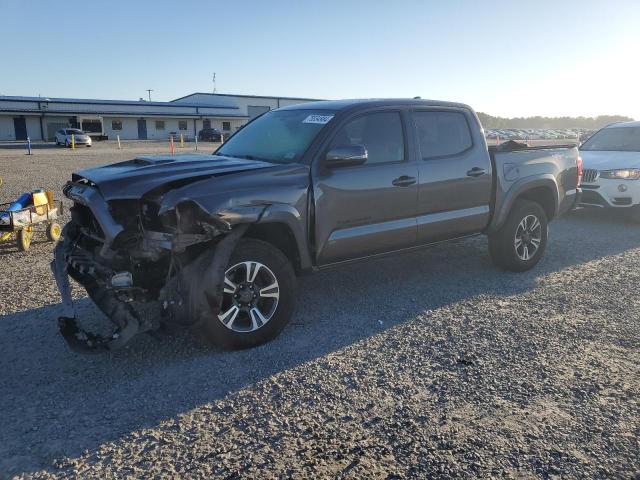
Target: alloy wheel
[528,237]
[250,297]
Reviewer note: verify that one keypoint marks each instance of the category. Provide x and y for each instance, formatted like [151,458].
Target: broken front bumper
[191,296]
[167,270]
[80,340]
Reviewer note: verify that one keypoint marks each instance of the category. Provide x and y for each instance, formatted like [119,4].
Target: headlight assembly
[621,174]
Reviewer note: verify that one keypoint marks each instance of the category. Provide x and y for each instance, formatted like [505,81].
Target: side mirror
[346,156]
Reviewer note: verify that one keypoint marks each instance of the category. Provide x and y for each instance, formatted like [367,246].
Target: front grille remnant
[84,217]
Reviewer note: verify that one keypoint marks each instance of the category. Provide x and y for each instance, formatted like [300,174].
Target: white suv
[611,162]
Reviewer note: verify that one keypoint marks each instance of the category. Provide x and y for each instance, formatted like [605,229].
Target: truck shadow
[61,404]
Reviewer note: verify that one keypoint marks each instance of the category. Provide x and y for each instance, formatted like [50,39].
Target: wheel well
[544,197]
[278,235]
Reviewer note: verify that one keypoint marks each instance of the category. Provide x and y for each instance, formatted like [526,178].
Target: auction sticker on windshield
[321,119]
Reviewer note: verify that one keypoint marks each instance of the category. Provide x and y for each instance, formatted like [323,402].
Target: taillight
[579,171]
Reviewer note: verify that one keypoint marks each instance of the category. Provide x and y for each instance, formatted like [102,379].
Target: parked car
[611,175]
[68,136]
[585,135]
[216,241]
[210,135]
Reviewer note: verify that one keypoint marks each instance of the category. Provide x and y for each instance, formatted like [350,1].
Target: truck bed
[515,164]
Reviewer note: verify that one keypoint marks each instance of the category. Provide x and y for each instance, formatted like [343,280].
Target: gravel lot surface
[432,364]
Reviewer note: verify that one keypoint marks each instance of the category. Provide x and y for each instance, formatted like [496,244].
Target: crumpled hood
[133,178]
[609,160]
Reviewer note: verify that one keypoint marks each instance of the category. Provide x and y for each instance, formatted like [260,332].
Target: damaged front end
[143,262]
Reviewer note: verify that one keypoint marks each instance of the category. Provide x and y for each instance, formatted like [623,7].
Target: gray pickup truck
[215,241]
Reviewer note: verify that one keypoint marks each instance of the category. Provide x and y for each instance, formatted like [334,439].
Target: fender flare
[279,213]
[520,187]
[292,219]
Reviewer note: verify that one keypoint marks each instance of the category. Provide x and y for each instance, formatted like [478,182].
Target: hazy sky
[509,58]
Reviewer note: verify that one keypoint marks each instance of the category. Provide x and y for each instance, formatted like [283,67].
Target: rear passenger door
[370,208]
[455,177]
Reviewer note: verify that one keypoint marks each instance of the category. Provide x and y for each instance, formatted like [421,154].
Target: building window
[226,126]
[91,126]
[182,124]
[116,124]
[159,124]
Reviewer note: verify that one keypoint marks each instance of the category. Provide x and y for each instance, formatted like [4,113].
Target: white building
[38,117]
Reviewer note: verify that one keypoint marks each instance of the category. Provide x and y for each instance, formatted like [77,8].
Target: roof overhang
[73,113]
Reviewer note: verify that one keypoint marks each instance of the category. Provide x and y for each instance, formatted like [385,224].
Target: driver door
[367,209]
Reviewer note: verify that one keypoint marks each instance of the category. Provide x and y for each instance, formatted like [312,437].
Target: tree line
[489,121]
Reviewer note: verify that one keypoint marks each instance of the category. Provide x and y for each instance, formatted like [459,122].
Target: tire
[505,253]
[23,238]
[53,232]
[235,327]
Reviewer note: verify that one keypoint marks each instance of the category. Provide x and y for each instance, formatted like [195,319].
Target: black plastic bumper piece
[80,340]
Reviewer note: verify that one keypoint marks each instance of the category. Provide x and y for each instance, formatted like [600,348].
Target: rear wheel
[521,241]
[258,296]
[53,232]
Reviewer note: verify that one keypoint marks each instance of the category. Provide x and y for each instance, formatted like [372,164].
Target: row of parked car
[580,134]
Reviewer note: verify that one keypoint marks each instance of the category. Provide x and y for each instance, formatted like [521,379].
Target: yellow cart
[22,223]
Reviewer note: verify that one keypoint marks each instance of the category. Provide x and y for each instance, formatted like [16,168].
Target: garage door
[254,111]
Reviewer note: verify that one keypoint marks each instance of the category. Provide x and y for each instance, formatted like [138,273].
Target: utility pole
[214,82]
[149,90]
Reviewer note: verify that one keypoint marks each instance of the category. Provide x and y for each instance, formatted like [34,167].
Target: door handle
[476,172]
[404,181]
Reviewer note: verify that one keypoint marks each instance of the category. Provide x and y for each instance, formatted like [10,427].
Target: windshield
[617,139]
[279,136]
[74,131]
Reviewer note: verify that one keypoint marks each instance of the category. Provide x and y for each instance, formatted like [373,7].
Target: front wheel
[24,238]
[521,241]
[258,297]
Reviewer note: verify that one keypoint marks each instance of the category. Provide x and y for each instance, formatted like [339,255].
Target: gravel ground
[431,364]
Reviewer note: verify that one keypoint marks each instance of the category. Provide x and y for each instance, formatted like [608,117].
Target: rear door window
[441,134]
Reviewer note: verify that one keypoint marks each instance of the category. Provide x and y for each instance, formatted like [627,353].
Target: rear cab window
[441,133]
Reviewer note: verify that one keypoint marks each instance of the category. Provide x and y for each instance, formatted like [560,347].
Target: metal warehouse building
[38,117]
